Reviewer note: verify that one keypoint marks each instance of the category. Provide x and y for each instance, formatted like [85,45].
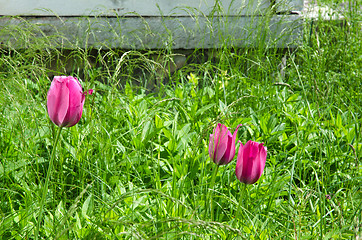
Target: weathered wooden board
[149,24]
[153,32]
[289,6]
[126,7]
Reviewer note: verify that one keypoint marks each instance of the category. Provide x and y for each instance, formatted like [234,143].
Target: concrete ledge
[113,8]
[311,10]
[151,24]
[152,32]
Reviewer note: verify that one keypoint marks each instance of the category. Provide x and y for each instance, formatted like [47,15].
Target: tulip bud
[222,144]
[250,162]
[65,101]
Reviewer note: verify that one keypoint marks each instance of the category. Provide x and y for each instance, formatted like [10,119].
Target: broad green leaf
[87,207]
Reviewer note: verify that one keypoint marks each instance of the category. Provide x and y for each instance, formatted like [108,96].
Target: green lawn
[137,166]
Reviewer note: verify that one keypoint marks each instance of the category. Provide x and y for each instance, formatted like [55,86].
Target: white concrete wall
[150,24]
[285,6]
[126,7]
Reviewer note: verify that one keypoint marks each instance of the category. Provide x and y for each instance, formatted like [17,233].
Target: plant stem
[45,188]
[241,200]
[211,193]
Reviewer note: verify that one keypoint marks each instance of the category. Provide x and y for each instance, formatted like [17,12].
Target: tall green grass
[136,166]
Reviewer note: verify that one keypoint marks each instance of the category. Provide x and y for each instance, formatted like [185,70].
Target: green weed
[136,166]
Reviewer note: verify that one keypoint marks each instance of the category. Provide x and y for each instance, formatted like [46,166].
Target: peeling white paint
[127,7]
[150,24]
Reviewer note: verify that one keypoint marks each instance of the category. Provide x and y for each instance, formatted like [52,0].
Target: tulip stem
[241,200]
[211,193]
[45,187]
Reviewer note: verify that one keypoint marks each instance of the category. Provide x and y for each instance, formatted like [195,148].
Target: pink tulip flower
[65,101]
[250,162]
[222,144]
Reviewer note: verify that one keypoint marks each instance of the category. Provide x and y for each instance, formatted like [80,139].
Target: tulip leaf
[87,207]
[167,133]
[272,122]
[146,130]
[223,107]
[158,121]
[263,125]
[185,130]
[204,109]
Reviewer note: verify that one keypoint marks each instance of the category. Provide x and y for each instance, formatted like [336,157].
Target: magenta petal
[250,165]
[226,158]
[231,153]
[246,163]
[221,144]
[239,162]
[261,159]
[250,162]
[76,102]
[213,142]
[218,143]
[58,100]
[65,101]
